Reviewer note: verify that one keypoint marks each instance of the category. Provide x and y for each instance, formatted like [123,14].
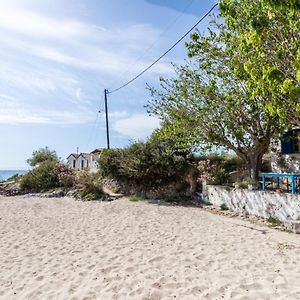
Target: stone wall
[172,190]
[285,163]
[282,206]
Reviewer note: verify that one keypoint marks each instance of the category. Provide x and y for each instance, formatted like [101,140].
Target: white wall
[91,163]
[282,206]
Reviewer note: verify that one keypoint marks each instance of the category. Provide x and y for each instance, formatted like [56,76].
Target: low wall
[282,206]
[285,163]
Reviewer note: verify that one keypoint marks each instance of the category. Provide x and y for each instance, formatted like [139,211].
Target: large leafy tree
[266,35]
[209,105]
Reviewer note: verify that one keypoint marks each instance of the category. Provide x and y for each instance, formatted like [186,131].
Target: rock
[59,192]
[10,189]
[293,226]
[72,193]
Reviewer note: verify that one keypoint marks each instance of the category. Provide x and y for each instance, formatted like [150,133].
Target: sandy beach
[67,249]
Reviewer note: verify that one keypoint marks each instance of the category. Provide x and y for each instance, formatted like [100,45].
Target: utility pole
[106,115]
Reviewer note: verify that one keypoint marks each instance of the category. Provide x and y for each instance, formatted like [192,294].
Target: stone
[293,226]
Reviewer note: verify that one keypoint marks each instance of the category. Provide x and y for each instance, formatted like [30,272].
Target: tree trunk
[255,165]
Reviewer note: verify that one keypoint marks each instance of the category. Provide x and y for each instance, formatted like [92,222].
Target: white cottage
[84,161]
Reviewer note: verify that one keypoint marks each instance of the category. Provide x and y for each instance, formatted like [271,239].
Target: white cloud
[13,112]
[118,114]
[48,61]
[138,126]
[33,80]
[75,43]
[37,26]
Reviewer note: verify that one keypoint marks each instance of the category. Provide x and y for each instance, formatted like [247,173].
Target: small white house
[84,161]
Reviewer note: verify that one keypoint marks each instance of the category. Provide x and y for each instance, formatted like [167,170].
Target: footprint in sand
[91,267]
[156,259]
[39,278]
[129,270]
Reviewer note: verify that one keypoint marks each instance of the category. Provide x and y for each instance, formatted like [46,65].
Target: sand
[67,249]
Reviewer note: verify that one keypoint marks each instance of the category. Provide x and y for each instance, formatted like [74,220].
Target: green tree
[42,155]
[266,36]
[208,105]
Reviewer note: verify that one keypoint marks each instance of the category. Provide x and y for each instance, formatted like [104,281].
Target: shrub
[223,206]
[273,221]
[89,186]
[146,164]
[65,175]
[46,176]
[242,184]
[136,198]
[41,178]
[216,168]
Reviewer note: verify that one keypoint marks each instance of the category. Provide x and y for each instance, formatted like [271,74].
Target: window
[82,164]
[74,164]
[290,142]
[297,142]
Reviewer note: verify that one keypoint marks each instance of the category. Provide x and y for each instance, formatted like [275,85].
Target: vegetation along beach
[150,149]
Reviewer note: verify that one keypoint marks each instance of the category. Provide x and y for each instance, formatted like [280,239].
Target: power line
[165,53]
[93,130]
[161,35]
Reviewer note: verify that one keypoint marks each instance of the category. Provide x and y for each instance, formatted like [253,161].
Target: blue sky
[57,56]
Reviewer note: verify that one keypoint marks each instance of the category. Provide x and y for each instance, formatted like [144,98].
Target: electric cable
[164,54]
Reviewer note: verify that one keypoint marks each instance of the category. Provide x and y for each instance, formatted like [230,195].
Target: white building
[84,161]
[287,158]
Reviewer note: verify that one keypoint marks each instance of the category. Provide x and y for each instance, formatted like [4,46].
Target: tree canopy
[265,35]
[42,155]
[208,104]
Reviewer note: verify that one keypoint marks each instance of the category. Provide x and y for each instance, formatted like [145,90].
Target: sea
[5,174]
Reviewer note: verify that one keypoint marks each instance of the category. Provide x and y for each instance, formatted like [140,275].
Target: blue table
[277,177]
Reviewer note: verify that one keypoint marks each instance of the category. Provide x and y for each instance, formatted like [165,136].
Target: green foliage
[65,175]
[211,102]
[148,164]
[136,198]
[42,178]
[46,176]
[242,184]
[89,186]
[273,221]
[215,168]
[42,155]
[224,207]
[266,33]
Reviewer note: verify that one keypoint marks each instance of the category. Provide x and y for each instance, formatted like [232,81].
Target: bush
[46,176]
[89,186]
[136,198]
[224,207]
[65,175]
[216,168]
[243,184]
[273,221]
[146,164]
